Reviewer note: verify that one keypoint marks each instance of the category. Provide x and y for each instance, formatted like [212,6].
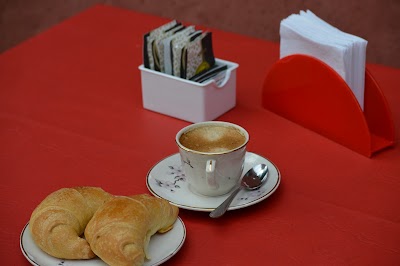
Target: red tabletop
[71,115]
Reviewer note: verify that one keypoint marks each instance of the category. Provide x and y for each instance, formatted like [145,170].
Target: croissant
[119,232]
[60,219]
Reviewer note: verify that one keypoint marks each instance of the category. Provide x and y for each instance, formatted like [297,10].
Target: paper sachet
[149,37]
[183,52]
[177,47]
[158,47]
[216,72]
[167,47]
[199,56]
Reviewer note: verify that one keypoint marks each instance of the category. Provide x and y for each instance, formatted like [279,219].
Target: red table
[71,115]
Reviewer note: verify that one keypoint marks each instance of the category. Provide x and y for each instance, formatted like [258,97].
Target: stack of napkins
[305,33]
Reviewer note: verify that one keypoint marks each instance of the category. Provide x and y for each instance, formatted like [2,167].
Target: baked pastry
[119,232]
[60,219]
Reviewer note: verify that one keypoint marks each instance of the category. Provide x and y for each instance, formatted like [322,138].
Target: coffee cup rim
[192,126]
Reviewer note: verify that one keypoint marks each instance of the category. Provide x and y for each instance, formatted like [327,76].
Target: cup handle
[210,174]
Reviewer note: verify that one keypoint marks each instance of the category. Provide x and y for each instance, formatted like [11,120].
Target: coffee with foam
[212,138]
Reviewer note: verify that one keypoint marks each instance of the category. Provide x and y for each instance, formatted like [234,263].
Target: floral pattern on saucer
[175,175]
[167,180]
[251,195]
[175,178]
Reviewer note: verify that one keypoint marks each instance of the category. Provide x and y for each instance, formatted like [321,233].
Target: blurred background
[377,21]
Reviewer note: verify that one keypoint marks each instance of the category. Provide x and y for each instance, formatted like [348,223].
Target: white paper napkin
[305,33]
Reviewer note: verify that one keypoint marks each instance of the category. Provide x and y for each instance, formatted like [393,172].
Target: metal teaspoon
[252,180]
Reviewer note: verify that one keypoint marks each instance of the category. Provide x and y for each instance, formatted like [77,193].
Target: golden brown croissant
[120,231]
[60,219]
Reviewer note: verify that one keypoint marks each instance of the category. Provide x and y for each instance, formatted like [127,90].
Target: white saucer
[161,248]
[167,180]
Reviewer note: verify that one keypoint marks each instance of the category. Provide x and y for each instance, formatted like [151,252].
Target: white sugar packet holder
[188,100]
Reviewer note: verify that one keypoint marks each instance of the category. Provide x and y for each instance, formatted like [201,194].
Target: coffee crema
[212,138]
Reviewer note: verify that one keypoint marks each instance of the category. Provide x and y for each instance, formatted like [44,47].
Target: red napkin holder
[310,93]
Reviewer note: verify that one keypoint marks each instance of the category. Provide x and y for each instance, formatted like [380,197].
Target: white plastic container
[188,100]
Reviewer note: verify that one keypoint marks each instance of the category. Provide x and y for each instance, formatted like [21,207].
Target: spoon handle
[221,209]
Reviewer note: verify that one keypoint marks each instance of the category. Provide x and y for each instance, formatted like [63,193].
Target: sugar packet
[148,59]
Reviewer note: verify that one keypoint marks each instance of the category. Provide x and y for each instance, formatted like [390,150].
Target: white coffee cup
[214,168]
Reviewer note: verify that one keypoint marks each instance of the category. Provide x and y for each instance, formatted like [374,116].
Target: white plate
[161,248]
[167,180]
